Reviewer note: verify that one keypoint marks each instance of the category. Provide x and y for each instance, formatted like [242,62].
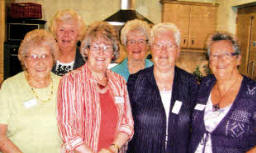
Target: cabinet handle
[184,42]
[192,42]
[252,69]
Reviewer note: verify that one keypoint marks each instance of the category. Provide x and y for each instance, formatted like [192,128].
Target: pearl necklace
[43,100]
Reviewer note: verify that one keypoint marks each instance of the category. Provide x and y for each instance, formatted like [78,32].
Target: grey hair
[97,30]
[135,25]
[218,36]
[163,27]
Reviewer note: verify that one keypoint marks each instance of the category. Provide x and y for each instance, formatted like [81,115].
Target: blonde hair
[96,30]
[66,16]
[163,27]
[37,38]
[135,25]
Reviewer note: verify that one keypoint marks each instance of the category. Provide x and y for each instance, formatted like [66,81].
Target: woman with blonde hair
[68,28]
[28,100]
[135,37]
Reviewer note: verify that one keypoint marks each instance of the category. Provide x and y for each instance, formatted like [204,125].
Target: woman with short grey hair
[162,98]
[135,36]
[224,117]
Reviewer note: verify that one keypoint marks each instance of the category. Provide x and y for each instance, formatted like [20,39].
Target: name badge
[176,107]
[30,103]
[199,107]
[119,100]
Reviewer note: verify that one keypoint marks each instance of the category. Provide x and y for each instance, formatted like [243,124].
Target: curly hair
[67,16]
[218,36]
[37,38]
[135,25]
[103,30]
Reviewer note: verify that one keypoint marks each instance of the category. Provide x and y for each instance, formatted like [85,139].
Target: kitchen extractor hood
[126,13]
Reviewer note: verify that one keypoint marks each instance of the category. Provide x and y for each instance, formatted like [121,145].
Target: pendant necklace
[216,106]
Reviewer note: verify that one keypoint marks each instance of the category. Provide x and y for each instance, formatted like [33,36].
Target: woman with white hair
[28,99]
[162,98]
[135,37]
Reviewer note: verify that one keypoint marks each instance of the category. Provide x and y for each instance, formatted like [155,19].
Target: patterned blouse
[79,112]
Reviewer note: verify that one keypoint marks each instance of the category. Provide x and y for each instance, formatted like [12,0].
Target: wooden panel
[202,23]
[246,33]
[2,36]
[178,14]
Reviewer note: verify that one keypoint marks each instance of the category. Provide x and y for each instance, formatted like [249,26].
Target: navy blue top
[236,133]
[79,61]
[149,114]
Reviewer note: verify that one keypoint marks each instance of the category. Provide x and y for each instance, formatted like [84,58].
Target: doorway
[246,33]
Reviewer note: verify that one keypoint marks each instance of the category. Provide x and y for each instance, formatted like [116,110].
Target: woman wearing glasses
[162,98]
[94,113]
[224,118]
[135,37]
[28,100]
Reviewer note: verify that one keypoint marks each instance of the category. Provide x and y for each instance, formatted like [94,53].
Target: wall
[94,10]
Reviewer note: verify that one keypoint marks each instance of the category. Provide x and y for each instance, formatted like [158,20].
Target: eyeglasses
[225,56]
[107,49]
[139,42]
[168,46]
[35,57]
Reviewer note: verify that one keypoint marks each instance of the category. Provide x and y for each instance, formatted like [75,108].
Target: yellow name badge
[30,103]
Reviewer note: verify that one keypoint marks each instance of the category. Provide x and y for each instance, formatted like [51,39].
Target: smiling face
[136,45]
[100,54]
[38,62]
[223,61]
[164,51]
[67,34]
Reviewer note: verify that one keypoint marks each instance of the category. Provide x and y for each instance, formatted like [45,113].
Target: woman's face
[38,62]
[164,51]
[223,61]
[67,35]
[100,54]
[136,45]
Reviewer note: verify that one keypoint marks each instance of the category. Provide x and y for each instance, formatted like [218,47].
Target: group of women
[139,106]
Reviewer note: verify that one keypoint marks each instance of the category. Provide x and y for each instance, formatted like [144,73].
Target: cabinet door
[244,33]
[179,15]
[252,48]
[202,23]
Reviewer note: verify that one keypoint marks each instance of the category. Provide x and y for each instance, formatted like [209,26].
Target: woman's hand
[6,145]
[104,150]
[83,149]
[253,150]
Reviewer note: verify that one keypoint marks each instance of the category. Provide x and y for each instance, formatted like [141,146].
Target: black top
[149,114]
[79,61]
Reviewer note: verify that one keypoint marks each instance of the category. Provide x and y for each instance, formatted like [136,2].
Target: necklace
[43,100]
[216,106]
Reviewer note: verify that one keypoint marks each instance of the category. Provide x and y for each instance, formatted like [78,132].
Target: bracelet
[115,146]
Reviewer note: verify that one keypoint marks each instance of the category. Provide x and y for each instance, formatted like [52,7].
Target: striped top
[79,112]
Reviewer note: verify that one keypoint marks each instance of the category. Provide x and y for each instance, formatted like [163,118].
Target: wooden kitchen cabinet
[195,21]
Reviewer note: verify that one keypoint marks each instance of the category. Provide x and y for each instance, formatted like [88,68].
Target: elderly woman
[135,37]
[162,98]
[224,119]
[94,113]
[28,100]
[68,28]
